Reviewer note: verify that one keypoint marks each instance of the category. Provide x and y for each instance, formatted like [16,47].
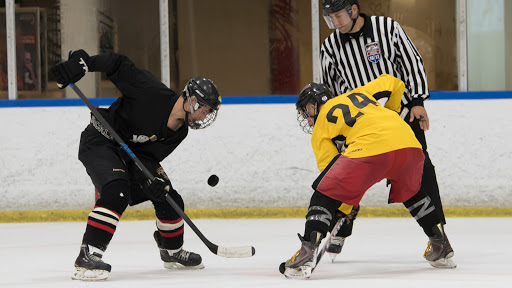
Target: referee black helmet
[333,6]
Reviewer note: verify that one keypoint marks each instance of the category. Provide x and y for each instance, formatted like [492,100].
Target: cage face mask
[339,18]
[208,120]
[302,119]
[206,94]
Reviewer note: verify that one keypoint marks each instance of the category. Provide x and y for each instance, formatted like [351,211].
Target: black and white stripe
[345,65]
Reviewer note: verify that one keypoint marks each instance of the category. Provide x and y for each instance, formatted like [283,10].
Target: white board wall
[262,157]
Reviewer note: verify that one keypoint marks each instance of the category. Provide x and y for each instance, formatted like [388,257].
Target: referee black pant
[429,180]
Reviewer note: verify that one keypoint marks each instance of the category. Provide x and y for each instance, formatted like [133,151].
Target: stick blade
[236,252]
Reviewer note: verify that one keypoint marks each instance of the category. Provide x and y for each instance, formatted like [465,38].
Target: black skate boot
[441,252]
[181,259]
[89,266]
[302,263]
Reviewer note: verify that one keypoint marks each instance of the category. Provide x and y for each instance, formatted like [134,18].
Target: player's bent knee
[115,196]
[321,213]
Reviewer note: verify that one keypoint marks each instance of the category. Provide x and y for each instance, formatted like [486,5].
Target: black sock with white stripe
[171,232]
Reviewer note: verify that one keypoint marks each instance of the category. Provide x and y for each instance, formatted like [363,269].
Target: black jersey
[141,114]
[380,47]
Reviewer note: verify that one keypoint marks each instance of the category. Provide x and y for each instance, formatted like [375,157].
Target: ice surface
[382,252]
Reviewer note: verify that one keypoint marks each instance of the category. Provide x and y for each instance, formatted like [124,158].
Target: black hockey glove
[72,70]
[156,189]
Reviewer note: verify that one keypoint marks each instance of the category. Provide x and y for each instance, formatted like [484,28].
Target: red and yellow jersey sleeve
[367,127]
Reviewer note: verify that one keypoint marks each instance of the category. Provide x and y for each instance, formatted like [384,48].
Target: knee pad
[115,196]
[321,212]
[103,219]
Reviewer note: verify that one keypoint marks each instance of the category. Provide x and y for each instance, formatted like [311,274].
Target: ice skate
[181,259]
[302,263]
[440,253]
[335,247]
[89,266]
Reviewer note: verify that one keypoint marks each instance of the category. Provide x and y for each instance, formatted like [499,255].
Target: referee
[359,50]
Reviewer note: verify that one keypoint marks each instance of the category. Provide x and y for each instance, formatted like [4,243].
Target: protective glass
[340,18]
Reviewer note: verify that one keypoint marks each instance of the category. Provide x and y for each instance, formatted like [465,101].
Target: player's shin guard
[338,240]
[169,237]
[101,226]
[320,214]
[169,223]
[102,221]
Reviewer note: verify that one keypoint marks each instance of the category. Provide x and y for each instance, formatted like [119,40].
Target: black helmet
[207,94]
[316,94]
[333,6]
[205,91]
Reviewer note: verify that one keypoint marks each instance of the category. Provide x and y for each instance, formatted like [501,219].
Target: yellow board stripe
[240,213]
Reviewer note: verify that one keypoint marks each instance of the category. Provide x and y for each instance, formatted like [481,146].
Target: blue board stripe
[453,95]
[271,99]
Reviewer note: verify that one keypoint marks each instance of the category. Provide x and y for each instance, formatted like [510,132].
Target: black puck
[213,180]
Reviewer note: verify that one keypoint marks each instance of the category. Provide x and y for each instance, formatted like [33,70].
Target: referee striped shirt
[380,47]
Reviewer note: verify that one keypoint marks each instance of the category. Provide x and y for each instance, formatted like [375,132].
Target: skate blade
[333,256]
[90,275]
[301,273]
[444,263]
[178,266]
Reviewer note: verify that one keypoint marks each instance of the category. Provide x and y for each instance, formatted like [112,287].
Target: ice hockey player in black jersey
[153,120]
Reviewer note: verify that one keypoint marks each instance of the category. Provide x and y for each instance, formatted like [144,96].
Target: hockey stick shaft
[404,112]
[229,252]
[334,231]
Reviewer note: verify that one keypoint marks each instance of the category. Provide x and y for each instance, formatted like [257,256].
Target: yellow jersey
[361,123]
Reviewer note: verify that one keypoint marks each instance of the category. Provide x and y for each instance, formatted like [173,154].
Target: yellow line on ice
[240,213]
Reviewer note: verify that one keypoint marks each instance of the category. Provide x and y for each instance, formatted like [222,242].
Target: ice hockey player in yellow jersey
[357,143]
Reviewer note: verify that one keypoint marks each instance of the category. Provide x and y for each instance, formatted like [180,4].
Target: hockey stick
[228,252]
[404,113]
[334,231]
